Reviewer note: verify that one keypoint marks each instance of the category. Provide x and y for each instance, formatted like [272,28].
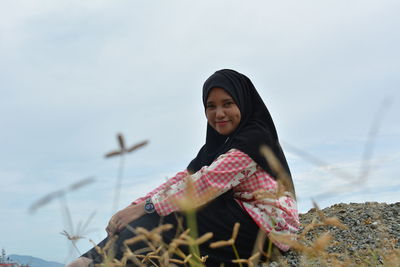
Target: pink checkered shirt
[233,170]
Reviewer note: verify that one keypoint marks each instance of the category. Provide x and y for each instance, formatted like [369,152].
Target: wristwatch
[149,206]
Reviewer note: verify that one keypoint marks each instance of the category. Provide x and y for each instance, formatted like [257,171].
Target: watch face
[149,207]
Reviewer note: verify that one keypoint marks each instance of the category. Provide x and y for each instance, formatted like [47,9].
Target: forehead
[218,93]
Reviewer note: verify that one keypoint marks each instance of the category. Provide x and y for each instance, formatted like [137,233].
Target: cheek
[238,115]
[209,115]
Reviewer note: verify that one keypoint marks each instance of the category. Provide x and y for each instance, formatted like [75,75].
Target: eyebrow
[223,100]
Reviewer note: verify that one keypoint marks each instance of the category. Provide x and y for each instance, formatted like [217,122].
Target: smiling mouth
[221,122]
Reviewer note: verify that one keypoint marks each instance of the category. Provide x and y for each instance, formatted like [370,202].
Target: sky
[74,74]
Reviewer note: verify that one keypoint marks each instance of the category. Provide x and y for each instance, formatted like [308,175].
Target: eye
[228,104]
[210,106]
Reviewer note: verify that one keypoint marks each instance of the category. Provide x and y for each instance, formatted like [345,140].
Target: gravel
[371,228]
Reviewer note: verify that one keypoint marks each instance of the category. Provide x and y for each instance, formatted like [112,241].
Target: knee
[79,262]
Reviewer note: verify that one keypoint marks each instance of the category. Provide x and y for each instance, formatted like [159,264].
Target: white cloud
[73,74]
[321,184]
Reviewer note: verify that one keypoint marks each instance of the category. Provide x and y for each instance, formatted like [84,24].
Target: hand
[123,217]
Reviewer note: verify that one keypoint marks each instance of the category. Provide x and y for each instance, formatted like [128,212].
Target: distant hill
[34,262]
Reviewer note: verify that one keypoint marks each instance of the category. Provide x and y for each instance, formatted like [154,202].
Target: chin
[224,132]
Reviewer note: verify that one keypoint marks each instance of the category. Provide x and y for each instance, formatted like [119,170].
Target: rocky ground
[372,231]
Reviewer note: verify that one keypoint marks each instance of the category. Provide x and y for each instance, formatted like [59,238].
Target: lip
[221,122]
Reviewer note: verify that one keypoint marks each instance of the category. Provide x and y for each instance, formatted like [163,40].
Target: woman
[231,166]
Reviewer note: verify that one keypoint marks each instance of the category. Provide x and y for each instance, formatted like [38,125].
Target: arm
[226,172]
[173,180]
[134,211]
[123,217]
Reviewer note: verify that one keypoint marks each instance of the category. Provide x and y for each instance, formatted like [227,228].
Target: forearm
[226,172]
[173,180]
[123,217]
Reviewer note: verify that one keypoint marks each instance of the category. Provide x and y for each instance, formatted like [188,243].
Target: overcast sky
[73,74]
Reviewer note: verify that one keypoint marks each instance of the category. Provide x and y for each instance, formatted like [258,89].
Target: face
[222,112]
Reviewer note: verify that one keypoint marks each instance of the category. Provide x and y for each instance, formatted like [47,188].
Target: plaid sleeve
[226,172]
[176,179]
[279,216]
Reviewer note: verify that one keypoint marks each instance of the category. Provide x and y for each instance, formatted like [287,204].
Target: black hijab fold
[255,129]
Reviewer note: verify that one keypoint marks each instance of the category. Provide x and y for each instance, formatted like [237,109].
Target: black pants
[217,217]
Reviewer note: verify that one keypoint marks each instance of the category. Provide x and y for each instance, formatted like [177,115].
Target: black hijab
[255,129]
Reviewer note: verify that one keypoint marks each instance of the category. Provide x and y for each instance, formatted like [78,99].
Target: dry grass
[312,251]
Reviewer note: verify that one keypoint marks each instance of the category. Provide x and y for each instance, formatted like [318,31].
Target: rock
[370,226]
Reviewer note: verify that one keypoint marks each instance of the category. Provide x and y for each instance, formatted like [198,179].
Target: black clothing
[256,127]
[217,217]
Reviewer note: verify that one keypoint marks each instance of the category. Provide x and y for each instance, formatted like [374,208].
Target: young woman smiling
[222,112]
[230,165]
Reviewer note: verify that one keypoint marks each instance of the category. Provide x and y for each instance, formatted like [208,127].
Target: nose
[220,113]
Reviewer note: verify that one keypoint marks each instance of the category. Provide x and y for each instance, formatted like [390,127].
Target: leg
[217,217]
[147,221]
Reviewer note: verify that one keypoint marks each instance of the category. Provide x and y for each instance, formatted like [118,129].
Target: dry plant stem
[352,180]
[117,190]
[283,178]
[192,225]
[81,183]
[67,214]
[121,152]
[68,219]
[129,255]
[59,193]
[86,224]
[236,254]
[234,236]
[369,145]
[139,237]
[76,248]
[319,163]
[269,253]
[258,245]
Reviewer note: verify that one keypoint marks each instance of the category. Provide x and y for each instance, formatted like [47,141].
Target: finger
[110,229]
[118,227]
[121,227]
[111,232]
